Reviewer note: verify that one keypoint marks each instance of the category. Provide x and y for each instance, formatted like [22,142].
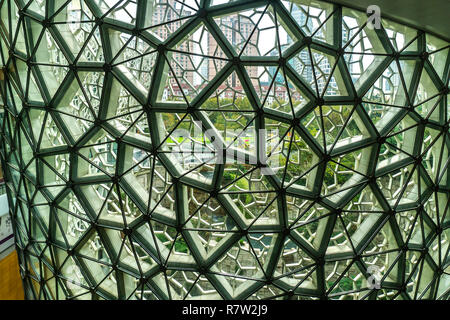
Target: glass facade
[220,149]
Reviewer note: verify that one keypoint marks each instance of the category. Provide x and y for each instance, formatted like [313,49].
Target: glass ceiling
[206,149]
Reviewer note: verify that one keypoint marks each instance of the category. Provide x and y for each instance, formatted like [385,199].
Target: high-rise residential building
[181,64]
[303,62]
[237,31]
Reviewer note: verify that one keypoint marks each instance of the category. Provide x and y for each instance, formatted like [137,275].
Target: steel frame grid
[43,251]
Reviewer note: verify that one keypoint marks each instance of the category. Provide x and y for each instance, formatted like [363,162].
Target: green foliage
[346,284]
[180,243]
[181,246]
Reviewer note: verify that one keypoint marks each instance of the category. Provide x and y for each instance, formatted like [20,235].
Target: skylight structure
[206,149]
